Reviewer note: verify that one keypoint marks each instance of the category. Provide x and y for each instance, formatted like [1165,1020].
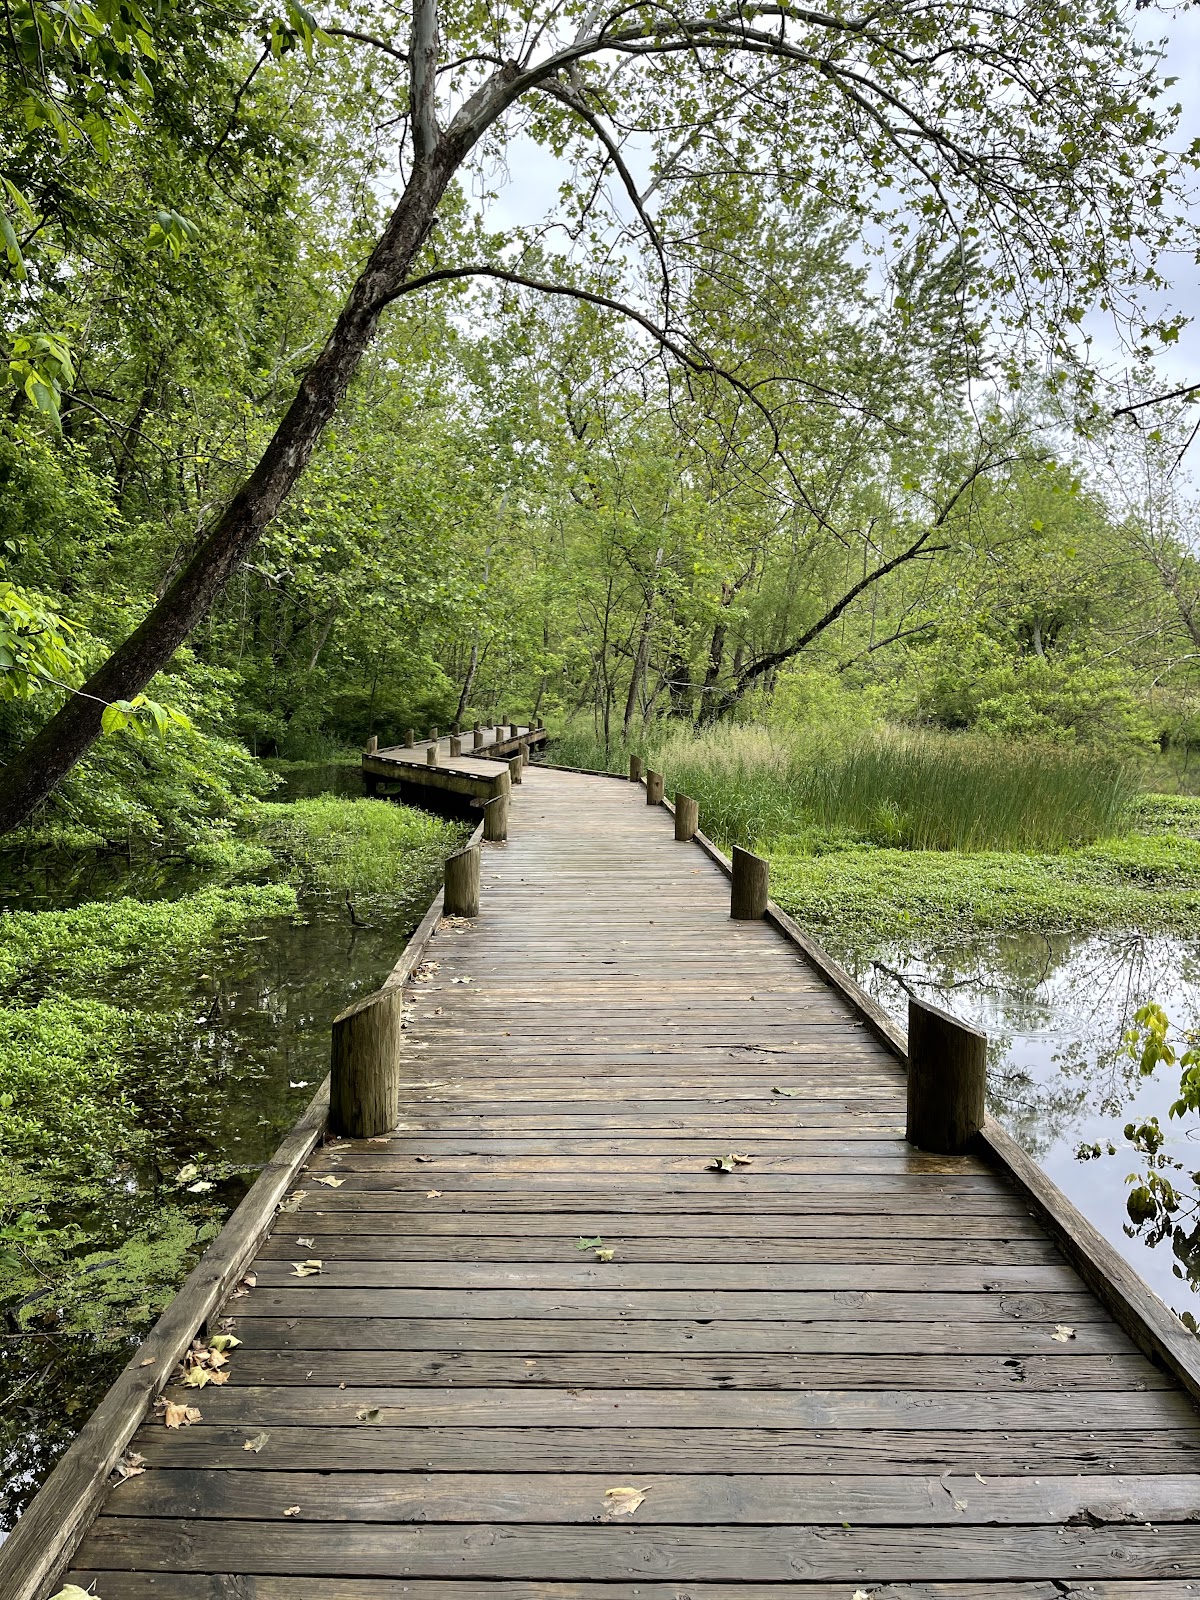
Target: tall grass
[913,790]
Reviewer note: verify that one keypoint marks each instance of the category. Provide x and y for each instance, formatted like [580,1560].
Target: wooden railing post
[654,788]
[461,898]
[455,745]
[525,752]
[478,738]
[410,738]
[364,1083]
[433,734]
[748,891]
[372,744]
[635,769]
[514,768]
[687,816]
[495,819]
[431,756]
[456,727]
[947,1080]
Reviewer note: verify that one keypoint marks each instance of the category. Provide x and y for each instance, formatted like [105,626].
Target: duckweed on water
[1147,883]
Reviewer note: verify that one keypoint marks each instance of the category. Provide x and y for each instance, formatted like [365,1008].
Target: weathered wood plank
[698,1500]
[684,1408]
[631,1451]
[309,1298]
[293,1363]
[624,1552]
[182,1586]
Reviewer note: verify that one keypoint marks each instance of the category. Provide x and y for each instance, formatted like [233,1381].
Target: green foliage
[860,896]
[912,790]
[109,947]
[369,847]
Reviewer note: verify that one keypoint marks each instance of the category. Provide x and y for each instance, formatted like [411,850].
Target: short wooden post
[372,744]
[476,726]
[479,738]
[364,1085]
[654,788]
[514,768]
[431,756]
[635,769]
[433,734]
[455,745]
[524,752]
[687,816]
[748,891]
[947,1080]
[456,727]
[462,883]
[495,819]
[410,738]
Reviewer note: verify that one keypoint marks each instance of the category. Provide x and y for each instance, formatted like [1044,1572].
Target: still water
[1056,1009]
[259,1032]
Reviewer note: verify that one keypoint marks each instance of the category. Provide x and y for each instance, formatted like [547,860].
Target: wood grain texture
[830,1362]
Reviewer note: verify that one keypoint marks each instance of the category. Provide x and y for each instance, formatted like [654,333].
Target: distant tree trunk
[469,680]
[642,654]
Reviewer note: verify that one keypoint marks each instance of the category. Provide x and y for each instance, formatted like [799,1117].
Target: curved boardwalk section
[839,1368]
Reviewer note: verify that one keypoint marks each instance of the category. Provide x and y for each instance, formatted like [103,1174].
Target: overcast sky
[531,194]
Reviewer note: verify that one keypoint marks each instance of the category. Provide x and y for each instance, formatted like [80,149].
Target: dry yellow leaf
[623,1500]
[331,1183]
[256,1443]
[292,1511]
[177,1416]
[1062,1333]
[433,1194]
[306,1269]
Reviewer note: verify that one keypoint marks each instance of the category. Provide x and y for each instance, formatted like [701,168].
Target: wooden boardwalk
[841,1367]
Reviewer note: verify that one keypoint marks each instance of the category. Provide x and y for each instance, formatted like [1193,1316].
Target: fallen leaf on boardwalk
[73,1592]
[251,1280]
[788,1094]
[978,1479]
[861,1594]
[292,1511]
[292,1203]
[1062,1333]
[624,1500]
[739,1160]
[197,1377]
[588,1244]
[130,1465]
[332,1183]
[433,1194]
[307,1243]
[177,1416]
[460,980]
[604,1255]
[149,1362]
[257,1442]
[307,1269]
[367,1414]
[424,1159]
[720,1164]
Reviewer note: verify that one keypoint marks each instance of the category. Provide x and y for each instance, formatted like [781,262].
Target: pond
[262,1011]
[1056,1008]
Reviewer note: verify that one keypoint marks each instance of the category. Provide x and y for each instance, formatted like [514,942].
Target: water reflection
[257,1042]
[1056,1009]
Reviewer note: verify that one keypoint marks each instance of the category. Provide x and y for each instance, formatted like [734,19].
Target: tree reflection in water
[1056,1009]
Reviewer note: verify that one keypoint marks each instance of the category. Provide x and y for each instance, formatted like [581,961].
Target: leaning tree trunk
[33,774]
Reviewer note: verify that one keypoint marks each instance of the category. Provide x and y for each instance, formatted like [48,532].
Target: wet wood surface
[842,1366]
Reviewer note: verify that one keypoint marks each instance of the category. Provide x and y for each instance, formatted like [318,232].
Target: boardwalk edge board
[39,1548]
[1150,1323]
